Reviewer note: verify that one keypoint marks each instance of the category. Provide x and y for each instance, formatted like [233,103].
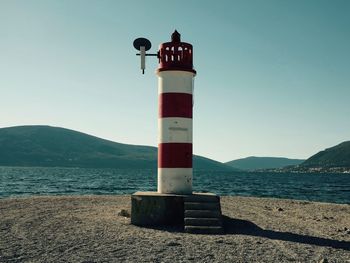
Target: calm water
[16,181]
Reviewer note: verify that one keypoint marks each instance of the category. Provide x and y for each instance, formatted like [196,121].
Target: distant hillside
[337,156]
[203,163]
[254,163]
[51,146]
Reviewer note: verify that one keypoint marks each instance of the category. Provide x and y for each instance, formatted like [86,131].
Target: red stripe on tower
[175,90]
[175,105]
[175,155]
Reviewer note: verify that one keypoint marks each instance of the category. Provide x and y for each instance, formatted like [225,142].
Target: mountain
[255,163]
[337,156]
[52,146]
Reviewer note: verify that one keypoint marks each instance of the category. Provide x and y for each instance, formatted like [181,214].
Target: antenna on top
[143,45]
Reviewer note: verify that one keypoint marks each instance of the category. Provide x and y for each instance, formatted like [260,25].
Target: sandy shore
[88,229]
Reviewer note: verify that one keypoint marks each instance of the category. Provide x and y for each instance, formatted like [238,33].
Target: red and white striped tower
[175,90]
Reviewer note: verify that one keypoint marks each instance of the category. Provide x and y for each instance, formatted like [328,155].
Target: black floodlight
[143,44]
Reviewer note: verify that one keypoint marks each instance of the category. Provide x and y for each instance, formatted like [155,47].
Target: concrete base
[155,209]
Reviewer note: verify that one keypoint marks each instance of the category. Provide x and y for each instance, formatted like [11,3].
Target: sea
[30,181]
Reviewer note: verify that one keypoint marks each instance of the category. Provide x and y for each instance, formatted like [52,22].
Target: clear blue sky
[273,76]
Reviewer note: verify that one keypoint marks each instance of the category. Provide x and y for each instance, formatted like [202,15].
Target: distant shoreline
[312,170]
[88,228]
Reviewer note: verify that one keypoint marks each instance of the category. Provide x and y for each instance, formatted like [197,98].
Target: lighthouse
[175,108]
[174,202]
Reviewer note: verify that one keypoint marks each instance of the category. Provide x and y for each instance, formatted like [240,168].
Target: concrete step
[201,206]
[202,214]
[202,198]
[204,229]
[190,221]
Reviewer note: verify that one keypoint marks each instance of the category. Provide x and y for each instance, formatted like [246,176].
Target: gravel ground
[89,229]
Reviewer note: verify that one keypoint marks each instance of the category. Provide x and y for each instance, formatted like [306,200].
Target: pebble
[326,217]
[323,260]
[344,229]
[173,244]
[124,212]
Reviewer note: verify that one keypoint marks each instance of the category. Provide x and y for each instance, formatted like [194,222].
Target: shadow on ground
[244,227]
